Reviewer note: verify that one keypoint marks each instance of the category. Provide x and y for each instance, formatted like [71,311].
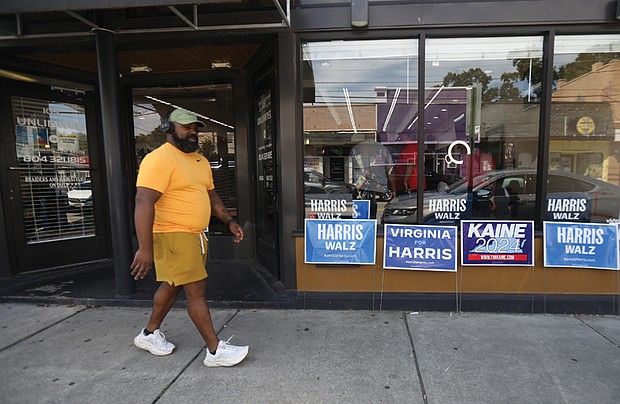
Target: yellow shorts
[180,258]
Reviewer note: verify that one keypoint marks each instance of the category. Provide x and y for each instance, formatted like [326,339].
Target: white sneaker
[226,355]
[155,343]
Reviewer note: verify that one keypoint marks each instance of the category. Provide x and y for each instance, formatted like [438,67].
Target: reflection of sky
[575,44]
[568,47]
[362,66]
[361,78]
[145,119]
[70,116]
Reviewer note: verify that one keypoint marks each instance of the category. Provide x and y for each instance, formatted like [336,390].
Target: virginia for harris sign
[495,242]
[346,241]
[583,245]
[418,247]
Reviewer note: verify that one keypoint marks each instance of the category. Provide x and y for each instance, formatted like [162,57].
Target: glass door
[213,104]
[55,204]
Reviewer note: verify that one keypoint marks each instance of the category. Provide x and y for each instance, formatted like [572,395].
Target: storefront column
[117,187]
[5,264]
[289,123]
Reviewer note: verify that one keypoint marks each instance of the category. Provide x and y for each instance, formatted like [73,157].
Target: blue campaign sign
[360,209]
[419,247]
[346,241]
[497,242]
[583,245]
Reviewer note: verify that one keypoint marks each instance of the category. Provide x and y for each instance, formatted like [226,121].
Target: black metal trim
[469,302]
[421,120]
[458,14]
[544,129]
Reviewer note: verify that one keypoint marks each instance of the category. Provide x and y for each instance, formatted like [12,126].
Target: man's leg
[198,310]
[164,299]
[152,339]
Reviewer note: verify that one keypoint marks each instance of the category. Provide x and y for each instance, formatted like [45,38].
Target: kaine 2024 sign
[583,245]
[346,241]
[418,247]
[497,242]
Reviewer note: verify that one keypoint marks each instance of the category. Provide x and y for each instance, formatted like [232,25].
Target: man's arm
[144,217]
[392,181]
[408,170]
[220,211]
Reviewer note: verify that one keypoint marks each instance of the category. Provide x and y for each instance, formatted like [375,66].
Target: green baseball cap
[184,117]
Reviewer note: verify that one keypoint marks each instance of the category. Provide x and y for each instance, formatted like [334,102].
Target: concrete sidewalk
[78,354]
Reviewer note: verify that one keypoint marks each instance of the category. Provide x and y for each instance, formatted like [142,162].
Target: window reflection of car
[511,194]
[431,182]
[318,183]
[81,196]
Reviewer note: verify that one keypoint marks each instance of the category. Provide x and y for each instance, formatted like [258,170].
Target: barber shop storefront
[424,155]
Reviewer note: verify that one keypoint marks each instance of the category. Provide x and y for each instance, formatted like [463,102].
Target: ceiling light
[16,76]
[197,114]
[221,65]
[140,69]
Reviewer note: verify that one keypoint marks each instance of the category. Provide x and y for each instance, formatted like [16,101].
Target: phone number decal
[55,159]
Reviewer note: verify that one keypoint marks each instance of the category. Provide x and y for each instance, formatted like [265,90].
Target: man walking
[174,199]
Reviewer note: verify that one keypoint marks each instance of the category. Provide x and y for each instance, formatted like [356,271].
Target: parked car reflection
[511,194]
[318,183]
[81,196]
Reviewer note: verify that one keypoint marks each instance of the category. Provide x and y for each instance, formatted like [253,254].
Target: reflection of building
[597,85]
[585,125]
[510,130]
[582,132]
[142,149]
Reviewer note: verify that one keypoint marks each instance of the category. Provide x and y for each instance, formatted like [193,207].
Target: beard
[184,144]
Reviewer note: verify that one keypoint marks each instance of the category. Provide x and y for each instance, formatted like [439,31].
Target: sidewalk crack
[189,363]
[598,332]
[44,328]
[415,359]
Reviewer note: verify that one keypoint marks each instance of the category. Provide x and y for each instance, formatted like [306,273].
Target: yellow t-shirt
[184,180]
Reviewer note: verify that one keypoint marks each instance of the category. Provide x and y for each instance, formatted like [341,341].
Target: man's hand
[220,211]
[144,217]
[142,264]
[236,229]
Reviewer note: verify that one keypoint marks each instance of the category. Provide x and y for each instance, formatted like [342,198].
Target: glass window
[481,131]
[359,100]
[51,145]
[213,104]
[584,151]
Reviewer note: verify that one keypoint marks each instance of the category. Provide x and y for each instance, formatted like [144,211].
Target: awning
[32,19]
